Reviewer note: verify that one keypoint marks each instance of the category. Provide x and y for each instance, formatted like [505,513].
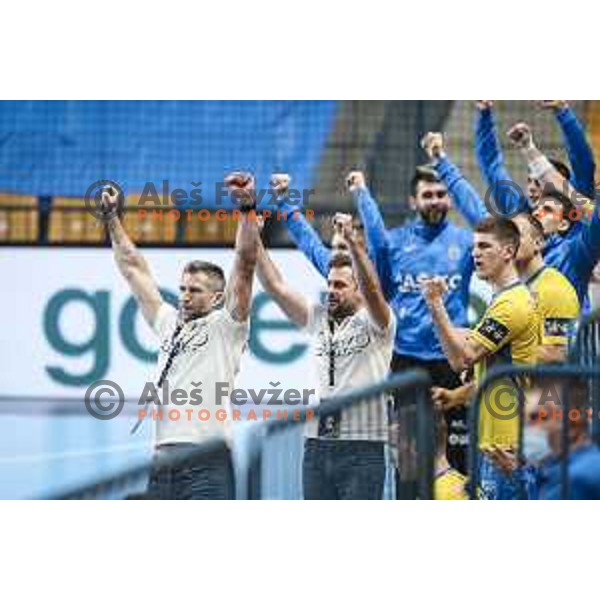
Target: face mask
[535,444]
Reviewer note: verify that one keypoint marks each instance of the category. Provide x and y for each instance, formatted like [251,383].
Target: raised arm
[581,155]
[509,199]
[465,197]
[376,235]
[370,215]
[584,250]
[303,234]
[131,263]
[461,350]
[238,294]
[293,304]
[540,167]
[365,274]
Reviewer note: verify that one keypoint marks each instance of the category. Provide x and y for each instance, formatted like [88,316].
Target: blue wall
[59,148]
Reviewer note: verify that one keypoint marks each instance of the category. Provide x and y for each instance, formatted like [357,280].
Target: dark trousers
[457,445]
[456,419]
[343,470]
[208,478]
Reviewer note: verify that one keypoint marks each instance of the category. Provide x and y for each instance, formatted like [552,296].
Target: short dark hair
[503,229]
[339,261]
[533,222]
[423,173]
[561,168]
[212,271]
[570,212]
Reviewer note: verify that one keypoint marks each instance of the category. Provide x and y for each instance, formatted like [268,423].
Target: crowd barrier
[268,456]
[586,352]
[346,424]
[553,383]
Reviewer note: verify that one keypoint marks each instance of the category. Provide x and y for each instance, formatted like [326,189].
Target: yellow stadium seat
[212,231]
[70,222]
[18,218]
[150,226]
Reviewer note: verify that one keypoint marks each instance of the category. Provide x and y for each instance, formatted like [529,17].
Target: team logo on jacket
[412,283]
[453,252]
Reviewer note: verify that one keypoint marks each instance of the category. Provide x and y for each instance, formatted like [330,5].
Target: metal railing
[259,477]
[277,447]
[585,351]
[119,486]
[564,373]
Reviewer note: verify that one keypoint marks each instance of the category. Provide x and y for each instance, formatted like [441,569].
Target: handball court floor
[48,447]
[51,447]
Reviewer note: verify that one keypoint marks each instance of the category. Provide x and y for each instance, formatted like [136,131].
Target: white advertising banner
[68,319]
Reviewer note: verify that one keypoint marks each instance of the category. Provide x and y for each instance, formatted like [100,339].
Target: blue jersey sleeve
[376,237]
[509,198]
[370,215]
[584,250]
[580,153]
[307,240]
[466,199]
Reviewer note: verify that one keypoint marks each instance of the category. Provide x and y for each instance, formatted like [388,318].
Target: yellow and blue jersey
[509,331]
[557,305]
[450,485]
[576,253]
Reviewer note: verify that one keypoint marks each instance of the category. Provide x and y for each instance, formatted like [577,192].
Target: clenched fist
[241,186]
[342,222]
[280,182]
[434,289]
[520,135]
[484,104]
[553,104]
[109,203]
[433,144]
[355,181]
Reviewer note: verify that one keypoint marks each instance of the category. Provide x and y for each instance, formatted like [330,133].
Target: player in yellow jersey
[556,303]
[556,299]
[506,334]
[449,483]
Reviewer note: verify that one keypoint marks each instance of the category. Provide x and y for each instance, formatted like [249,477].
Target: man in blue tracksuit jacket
[572,247]
[430,245]
[574,251]
[545,436]
[507,196]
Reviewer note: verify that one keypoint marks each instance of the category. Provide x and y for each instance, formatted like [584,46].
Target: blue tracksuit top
[583,474]
[491,159]
[574,254]
[404,257]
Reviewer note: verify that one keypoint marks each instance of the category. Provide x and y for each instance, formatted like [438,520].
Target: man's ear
[218,300]
[412,202]
[564,225]
[510,251]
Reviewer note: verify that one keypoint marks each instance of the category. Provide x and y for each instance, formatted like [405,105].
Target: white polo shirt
[356,354]
[208,350]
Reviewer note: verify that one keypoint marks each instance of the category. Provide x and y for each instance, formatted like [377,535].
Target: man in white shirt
[201,344]
[353,343]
